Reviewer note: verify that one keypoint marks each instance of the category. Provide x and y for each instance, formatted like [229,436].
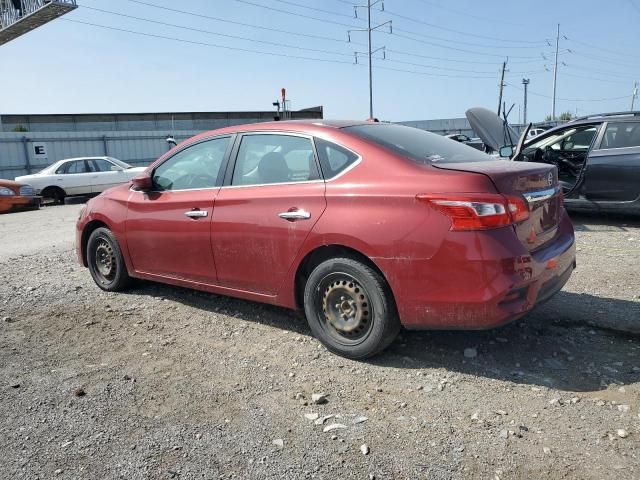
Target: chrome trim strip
[541,195]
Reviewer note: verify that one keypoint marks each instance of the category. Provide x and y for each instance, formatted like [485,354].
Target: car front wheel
[350,308]
[106,262]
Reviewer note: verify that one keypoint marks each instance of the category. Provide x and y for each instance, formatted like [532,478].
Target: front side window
[576,139]
[417,145]
[195,167]
[621,135]
[266,159]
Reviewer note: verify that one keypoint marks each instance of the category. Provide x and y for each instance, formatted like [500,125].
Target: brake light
[478,211]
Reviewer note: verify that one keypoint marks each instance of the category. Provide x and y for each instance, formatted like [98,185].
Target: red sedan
[366,226]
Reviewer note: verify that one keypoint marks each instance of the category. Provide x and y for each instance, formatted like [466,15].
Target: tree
[20,128]
[566,116]
[547,118]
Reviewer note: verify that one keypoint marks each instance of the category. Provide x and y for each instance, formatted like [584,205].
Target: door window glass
[621,135]
[101,165]
[572,139]
[265,159]
[195,167]
[74,167]
[333,158]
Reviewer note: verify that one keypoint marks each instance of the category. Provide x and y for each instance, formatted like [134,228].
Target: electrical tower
[370,4]
[18,17]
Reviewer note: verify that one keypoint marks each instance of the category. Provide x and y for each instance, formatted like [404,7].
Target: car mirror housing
[506,151]
[142,182]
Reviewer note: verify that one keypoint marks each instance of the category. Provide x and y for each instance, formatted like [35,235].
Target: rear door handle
[196,213]
[293,215]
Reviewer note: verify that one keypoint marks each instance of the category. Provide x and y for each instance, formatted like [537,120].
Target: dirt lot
[163,382]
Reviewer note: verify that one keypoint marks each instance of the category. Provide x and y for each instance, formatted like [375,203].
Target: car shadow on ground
[549,347]
[589,221]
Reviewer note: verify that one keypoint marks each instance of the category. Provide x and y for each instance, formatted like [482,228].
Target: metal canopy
[18,17]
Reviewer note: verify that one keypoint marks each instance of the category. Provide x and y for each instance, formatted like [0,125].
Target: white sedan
[80,176]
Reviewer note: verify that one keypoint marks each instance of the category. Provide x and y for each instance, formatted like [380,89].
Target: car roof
[302,126]
[613,116]
[82,158]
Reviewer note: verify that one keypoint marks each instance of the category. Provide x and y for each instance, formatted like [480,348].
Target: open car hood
[491,129]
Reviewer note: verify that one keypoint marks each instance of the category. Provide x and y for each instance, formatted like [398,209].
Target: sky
[442,57]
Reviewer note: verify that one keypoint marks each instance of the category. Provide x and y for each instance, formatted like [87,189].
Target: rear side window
[621,135]
[333,158]
[266,159]
[418,145]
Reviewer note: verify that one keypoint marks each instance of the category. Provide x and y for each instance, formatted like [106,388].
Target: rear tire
[350,308]
[54,193]
[106,262]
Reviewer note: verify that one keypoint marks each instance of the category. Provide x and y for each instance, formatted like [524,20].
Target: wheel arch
[324,252]
[53,188]
[89,228]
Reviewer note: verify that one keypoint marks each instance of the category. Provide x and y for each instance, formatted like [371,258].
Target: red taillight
[471,211]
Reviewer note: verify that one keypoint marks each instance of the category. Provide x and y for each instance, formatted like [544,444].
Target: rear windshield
[418,145]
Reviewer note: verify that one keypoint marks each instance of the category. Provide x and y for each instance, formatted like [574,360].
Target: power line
[571,99]
[289,2]
[439,27]
[288,12]
[194,42]
[261,52]
[265,42]
[465,13]
[233,22]
[319,37]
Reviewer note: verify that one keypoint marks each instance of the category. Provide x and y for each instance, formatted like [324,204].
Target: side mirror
[506,151]
[115,168]
[142,182]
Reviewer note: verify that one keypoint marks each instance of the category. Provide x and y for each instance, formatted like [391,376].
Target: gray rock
[311,416]
[278,442]
[470,353]
[334,426]
[622,433]
[364,448]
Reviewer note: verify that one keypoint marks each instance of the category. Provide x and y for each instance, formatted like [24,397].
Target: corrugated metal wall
[18,155]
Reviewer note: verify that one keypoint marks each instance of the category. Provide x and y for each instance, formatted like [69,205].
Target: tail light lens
[478,211]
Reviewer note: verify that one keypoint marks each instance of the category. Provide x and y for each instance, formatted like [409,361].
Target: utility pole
[504,67]
[555,76]
[525,82]
[634,95]
[371,51]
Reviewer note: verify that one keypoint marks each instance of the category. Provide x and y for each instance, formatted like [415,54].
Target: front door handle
[196,213]
[295,214]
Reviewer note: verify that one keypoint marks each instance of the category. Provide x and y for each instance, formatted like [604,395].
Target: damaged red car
[365,226]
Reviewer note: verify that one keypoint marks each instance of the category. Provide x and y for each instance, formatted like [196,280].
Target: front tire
[350,308]
[106,262]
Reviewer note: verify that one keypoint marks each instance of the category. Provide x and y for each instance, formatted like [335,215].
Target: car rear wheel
[350,308]
[56,194]
[105,261]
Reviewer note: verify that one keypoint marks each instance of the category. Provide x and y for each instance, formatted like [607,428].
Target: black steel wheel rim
[344,308]
[104,261]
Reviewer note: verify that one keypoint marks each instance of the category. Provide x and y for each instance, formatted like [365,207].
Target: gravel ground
[163,382]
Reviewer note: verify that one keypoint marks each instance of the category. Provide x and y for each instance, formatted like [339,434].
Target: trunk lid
[537,183]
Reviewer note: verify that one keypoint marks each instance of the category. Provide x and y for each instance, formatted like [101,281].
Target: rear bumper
[486,282]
